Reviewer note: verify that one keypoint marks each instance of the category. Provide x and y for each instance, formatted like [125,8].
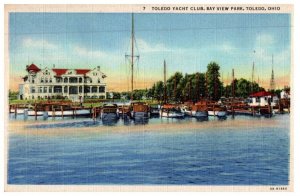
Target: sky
[188,42]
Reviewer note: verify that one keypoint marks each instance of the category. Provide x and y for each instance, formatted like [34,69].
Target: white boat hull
[172,115]
[32,113]
[19,111]
[217,113]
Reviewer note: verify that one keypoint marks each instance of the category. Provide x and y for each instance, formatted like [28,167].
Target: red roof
[33,68]
[60,72]
[82,71]
[261,94]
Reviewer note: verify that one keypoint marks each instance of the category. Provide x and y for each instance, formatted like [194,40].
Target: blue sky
[188,42]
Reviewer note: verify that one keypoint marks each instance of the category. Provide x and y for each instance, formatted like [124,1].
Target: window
[46,80]
[86,89]
[94,89]
[32,81]
[101,89]
[57,89]
[42,80]
[80,80]
[73,80]
[58,80]
[65,89]
[32,90]
[50,80]
[80,89]
[45,89]
[50,90]
[99,81]
[65,80]
[40,89]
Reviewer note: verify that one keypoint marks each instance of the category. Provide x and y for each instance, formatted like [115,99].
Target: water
[228,155]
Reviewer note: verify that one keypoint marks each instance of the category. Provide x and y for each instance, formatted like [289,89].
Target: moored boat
[200,110]
[139,110]
[109,112]
[171,111]
[154,110]
[217,110]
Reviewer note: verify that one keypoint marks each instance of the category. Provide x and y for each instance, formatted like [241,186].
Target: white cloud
[38,43]
[226,47]
[146,47]
[263,40]
[89,53]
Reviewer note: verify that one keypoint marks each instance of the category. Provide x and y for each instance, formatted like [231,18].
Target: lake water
[230,155]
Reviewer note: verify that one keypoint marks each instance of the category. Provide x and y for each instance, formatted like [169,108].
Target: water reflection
[202,119]
[141,121]
[221,118]
[110,121]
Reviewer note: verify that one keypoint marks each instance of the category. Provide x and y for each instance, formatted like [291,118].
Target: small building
[285,94]
[73,84]
[262,98]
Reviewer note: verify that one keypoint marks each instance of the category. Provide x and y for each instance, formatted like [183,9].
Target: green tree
[159,91]
[243,87]
[213,81]
[173,88]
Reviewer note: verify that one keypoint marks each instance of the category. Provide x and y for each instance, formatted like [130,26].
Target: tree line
[192,87]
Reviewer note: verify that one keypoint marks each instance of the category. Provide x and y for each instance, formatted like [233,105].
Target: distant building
[263,98]
[73,84]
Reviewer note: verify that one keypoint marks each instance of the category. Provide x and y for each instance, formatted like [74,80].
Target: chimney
[53,65]
[98,68]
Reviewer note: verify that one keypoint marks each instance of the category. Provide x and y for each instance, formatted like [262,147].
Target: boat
[124,111]
[17,110]
[109,112]
[139,110]
[154,109]
[171,111]
[217,110]
[187,108]
[200,110]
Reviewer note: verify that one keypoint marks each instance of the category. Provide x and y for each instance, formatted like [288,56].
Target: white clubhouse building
[74,84]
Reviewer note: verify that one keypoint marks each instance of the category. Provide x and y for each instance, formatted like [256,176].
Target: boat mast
[252,84]
[165,84]
[132,54]
[272,82]
[233,85]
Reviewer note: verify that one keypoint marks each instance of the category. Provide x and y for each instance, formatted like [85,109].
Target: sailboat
[169,110]
[138,109]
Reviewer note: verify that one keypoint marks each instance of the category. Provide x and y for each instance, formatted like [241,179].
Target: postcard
[149,97]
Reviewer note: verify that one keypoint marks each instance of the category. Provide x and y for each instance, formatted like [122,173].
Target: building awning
[261,94]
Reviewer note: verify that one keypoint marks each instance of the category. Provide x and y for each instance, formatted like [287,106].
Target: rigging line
[136,45]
